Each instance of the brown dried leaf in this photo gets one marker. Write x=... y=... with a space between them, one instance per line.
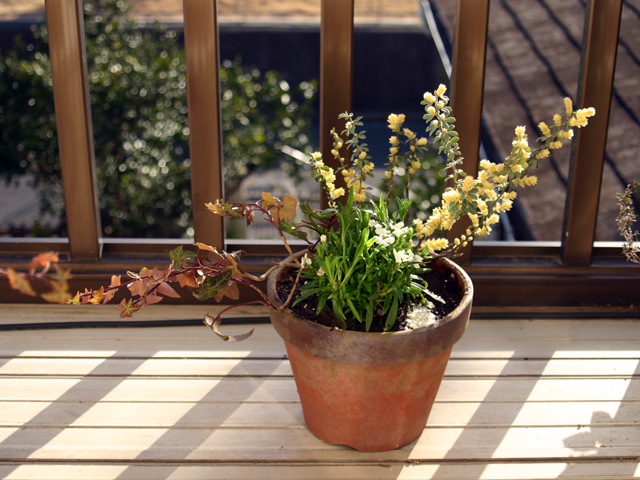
x=60 y=293
x=230 y=291
x=139 y=287
x=214 y=323
x=167 y=290
x=153 y=298
x=43 y=260
x=288 y=210
x=204 y=246
x=188 y=279
x=97 y=297
x=269 y=200
x=127 y=308
x=115 y=282
x=18 y=282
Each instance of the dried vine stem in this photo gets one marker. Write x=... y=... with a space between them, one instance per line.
x=626 y=220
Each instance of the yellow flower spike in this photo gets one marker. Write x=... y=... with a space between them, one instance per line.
x=408 y=133
x=388 y=174
x=431 y=110
x=337 y=193
x=395 y=121
x=568 y=105
x=451 y=196
x=428 y=96
x=441 y=90
x=544 y=153
x=467 y=184
x=421 y=141
x=394 y=140
x=362 y=155
x=544 y=128
x=520 y=131
x=565 y=134
x=557 y=119
x=435 y=244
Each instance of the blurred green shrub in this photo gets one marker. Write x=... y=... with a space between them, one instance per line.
x=137 y=83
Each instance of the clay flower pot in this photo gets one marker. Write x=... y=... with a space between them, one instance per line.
x=370 y=391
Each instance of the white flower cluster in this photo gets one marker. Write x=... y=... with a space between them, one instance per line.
x=305 y=261
x=387 y=235
x=407 y=256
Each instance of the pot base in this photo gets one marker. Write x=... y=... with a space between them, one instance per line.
x=371 y=408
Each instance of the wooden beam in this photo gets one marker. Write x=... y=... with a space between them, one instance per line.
x=73 y=122
x=205 y=132
x=467 y=92
x=336 y=75
x=597 y=68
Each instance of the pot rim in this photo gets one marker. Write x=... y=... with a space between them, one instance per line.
x=375 y=348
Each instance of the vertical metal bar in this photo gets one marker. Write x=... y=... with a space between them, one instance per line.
x=597 y=69
x=73 y=123
x=467 y=91
x=205 y=132
x=336 y=74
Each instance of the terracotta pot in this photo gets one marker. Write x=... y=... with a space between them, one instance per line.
x=370 y=391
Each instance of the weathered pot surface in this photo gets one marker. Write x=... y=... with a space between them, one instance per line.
x=370 y=391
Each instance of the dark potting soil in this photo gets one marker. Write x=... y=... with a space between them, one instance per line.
x=444 y=286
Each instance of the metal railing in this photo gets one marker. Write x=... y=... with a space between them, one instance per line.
x=567 y=274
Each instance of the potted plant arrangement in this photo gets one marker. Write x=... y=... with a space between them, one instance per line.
x=367 y=331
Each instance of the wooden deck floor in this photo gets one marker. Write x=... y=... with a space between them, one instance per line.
x=521 y=399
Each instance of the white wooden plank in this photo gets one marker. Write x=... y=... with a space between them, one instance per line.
x=622 y=470
x=208 y=346
x=146 y=367
x=260 y=367
x=550 y=330
x=297 y=444
x=289 y=414
x=284 y=390
x=483 y=339
x=34 y=313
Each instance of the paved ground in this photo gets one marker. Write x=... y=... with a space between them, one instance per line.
x=533 y=61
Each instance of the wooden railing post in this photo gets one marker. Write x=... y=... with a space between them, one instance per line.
x=597 y=68
x=336 y=74
x=467 y=92
x=205 y=131
x=73 y=123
